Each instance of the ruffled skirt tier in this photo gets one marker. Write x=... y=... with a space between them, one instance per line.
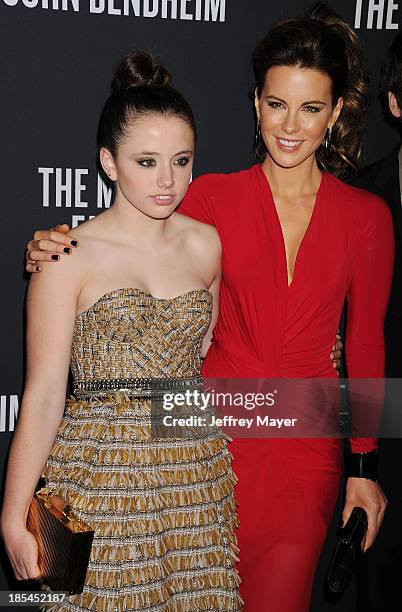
x=163 y=510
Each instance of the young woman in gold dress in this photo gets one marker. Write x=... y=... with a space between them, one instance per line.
x=162 y=509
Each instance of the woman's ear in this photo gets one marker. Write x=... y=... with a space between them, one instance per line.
x=393 y=105
x=107 y=162
x=336 y=112
x=257 y=104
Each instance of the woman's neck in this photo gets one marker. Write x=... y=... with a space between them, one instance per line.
x=296 y=182
x=129 y=222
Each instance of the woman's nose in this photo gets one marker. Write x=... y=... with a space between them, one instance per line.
x=165 y=178
x=290 y=123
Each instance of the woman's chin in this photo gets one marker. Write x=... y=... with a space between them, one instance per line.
x=160 y=213
x=288 y=160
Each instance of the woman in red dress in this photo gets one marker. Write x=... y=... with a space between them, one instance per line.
x=296 y=242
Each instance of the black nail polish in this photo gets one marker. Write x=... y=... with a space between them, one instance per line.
x=55 y=257
x=67 y=250
x=74 y=243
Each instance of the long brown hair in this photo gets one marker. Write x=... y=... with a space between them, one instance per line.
x=322 y=41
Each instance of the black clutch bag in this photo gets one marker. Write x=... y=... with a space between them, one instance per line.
x=347 y=549
x=64 y=542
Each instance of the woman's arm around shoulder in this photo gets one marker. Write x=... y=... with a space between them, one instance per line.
x=49 y=245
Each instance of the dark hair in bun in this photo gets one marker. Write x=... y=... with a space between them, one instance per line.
x=325 y=42
x=139 y=68
x=140 y=87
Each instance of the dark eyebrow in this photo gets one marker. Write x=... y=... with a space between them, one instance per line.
x=304 y=103
x=187 y=151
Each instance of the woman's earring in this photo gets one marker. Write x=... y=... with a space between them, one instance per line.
x=326 y=143
x=257 y=136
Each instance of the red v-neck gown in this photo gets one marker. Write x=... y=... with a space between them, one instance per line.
x=287 y=488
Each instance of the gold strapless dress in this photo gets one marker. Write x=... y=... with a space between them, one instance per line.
x=163 y=510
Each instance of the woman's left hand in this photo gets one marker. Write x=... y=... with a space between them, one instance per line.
x=336 y=352
x=368 y=495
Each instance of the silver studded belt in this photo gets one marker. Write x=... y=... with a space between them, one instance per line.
x=141 y=387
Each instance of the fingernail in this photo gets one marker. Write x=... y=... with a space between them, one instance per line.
x=331 y=355
x=74 y=243
x=67 y=250
x=58 y=226
x=37 y=268
x=55 y=257
x=333 y=348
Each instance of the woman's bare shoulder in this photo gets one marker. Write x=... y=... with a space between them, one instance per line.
x=75 y=266
x=188 y=224
x=94 y=239
x=201 y=235
x=87 y=228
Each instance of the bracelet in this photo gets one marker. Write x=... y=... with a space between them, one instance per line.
x=362 y=465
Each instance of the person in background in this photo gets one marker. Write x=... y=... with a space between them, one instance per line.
x=380 y=572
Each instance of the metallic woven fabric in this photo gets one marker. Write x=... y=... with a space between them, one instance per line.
x=163 y=510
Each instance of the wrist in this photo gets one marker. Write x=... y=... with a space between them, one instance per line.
x=11 y=527
x=362 y=465
x=12 y=521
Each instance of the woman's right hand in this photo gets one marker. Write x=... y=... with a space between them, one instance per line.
x=47 y=245
x=22 y=550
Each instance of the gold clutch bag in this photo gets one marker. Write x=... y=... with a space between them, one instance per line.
x=64 y=542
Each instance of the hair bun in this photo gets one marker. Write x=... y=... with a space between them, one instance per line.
x=139 y=69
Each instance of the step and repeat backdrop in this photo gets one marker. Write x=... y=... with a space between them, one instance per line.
x=57 y=60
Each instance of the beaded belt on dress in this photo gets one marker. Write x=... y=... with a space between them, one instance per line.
x=141 y=387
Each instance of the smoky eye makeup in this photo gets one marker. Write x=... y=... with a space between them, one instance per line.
x=146 y=163
x=182 y=161
x=312 y=109
x=274 y=104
